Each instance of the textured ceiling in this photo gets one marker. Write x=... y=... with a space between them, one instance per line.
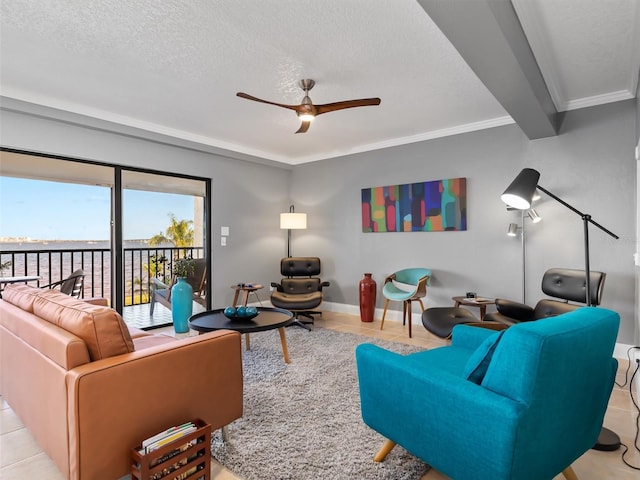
x=174 y=67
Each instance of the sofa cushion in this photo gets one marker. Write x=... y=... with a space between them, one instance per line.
x=479 y=361
x=101 y=328
x=22 y=296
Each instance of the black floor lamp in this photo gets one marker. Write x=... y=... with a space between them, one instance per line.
x=519 y=195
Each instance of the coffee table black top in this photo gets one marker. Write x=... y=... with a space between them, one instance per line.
x=267 y=319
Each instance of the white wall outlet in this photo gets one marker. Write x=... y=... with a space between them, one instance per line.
x=223 y=241
x=224 y=231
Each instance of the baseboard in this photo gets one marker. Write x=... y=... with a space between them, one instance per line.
x=392 y=315
x=620 y=350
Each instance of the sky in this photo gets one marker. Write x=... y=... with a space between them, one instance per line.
x=63 y=211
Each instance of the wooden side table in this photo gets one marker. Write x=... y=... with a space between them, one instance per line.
x=246 y=289
x=479 y=302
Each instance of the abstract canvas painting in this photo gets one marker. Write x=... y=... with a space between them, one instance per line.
x=434 y=206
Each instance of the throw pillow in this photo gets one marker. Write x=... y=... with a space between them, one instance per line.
x=478 y=363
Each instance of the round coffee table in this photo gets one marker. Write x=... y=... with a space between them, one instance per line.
x=267 y=319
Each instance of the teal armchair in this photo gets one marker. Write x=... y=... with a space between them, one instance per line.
x=523 y=403
x=406 y=286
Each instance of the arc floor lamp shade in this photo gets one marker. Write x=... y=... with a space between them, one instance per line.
x=519 y=194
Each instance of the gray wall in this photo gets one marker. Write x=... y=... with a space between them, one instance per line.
x=590 y=164
x=247 y=197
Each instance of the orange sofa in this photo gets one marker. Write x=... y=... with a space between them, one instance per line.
x=89 y=389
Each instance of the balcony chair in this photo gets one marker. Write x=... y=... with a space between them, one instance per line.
x=523 y=403
x=563 y=283
x=405 y=286
x=161 y=292
x=301 y=291
x=72 y=285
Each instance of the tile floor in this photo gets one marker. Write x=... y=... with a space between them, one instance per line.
x=21 y=458
x=138 y=316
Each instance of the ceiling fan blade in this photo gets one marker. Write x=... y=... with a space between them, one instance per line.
x=255 y=99
x=331 y=107
x=304 y=126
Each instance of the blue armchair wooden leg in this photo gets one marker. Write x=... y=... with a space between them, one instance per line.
x=569 y=474
x=384 y=451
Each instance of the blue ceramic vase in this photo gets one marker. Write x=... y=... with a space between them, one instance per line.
x=181 y=305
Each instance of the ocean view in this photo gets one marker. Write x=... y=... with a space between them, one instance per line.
x=17 y=245
x=54 y=260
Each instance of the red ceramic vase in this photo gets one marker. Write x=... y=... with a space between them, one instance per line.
x=367 y=298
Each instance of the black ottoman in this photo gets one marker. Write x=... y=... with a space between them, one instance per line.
x=441 y=320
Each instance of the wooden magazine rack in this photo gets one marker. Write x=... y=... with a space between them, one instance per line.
x=188 y=457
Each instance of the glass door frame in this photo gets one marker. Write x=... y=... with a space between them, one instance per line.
x=117 y=227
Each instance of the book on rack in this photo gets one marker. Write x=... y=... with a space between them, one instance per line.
x=169 y=435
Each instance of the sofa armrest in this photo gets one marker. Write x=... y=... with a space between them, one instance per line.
x=117 y=402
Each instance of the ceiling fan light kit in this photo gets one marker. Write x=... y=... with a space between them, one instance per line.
x=307 y=111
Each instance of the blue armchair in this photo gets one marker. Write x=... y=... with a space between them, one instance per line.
x=523 y=403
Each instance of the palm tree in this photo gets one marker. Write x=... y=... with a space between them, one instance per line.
x=179 y=233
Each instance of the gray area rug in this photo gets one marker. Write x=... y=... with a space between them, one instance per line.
x=302 y=421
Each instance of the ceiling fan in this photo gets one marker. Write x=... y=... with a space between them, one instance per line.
x=307 y=111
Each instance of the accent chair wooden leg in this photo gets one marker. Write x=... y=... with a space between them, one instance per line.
x=404 y=312
x=386 y=303
x=387 y=446
x=421 y=304
x=569 y=474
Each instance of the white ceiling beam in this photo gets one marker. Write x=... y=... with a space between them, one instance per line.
x=488 y=35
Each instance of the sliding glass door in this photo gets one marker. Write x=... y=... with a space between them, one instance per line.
x=163 y=219
x=121 y=226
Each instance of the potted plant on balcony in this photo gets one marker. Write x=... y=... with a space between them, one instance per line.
x=182 y=293
x=183 y=267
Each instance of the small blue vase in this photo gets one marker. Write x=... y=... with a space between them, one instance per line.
x=181 y=305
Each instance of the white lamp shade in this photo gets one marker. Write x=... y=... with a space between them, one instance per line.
x=293 y=221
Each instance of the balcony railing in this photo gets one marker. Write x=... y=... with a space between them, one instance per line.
x=139 y=265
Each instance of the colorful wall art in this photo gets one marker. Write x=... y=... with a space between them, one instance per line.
x=435 y=206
